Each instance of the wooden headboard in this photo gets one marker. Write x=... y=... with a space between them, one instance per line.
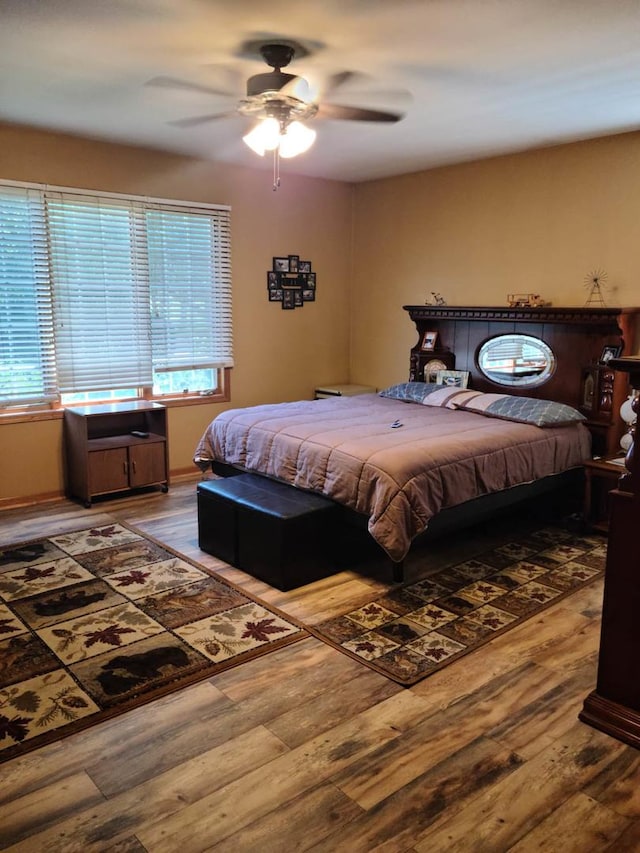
x=577 y=337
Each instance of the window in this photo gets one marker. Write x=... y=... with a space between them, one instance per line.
x=108 y=296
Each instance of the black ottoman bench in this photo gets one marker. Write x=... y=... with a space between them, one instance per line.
x=270 y=530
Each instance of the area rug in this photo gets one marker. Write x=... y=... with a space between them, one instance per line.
x=101 y=620
x=415 y=630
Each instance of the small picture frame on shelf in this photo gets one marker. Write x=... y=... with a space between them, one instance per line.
x=429 y=340
x=304 y=266
x=281 y=265
x=457 y=378
x=596 y=393
x=589 y=389
x=294 y=260
x=272 y=280
x=275 y=295
x=608 y=352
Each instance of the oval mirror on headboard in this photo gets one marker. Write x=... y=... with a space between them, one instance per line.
x=516 y=360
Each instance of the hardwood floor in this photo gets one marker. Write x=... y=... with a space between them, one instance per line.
x=307 y=750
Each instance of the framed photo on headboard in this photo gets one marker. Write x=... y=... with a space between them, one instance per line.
x=429 y=341
x=608 y=352
x=458 y=378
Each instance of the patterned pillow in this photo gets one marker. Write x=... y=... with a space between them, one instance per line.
x=449 y=397
x=524 y=410
x=410 y=392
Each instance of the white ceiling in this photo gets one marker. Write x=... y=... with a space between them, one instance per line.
x=483 y=76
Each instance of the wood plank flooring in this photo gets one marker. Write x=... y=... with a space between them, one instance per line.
x=307 y=750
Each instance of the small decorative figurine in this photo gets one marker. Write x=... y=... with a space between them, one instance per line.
x=437 y=299
x=526 y=300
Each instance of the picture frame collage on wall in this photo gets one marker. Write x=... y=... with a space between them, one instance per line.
x=291 y=282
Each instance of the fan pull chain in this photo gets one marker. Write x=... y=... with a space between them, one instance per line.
x=276 y=168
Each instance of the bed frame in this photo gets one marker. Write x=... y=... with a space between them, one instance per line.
x=576 y=336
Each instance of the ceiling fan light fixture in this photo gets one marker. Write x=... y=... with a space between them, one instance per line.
x=265 y=136
x=296 y=139
x=270 y=135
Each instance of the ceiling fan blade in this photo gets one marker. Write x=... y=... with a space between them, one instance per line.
x=384 y=96
x=336 y=80
x=225 y=77
x=174 y=83
x=356 y=114
x=196 y=120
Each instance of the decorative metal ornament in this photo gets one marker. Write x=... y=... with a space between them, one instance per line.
x=596 y=282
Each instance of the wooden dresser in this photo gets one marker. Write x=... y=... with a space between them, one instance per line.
x=614 y=705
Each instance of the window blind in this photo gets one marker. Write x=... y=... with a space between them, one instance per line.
x=101 y=292
x=190 y=319
x=104 y=291
x=27 y=364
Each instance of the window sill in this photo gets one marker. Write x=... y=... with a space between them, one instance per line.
x=36 y=415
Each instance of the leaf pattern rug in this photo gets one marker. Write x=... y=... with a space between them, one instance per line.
x=101 y=620
x=414 y=630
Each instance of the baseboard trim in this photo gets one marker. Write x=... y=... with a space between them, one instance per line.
x=613 y=719
x=31 y=500
x=21 y=501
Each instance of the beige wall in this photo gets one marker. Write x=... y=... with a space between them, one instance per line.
x=533 y=222
x=280 y=355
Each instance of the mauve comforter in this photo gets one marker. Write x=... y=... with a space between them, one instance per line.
x=346 y=448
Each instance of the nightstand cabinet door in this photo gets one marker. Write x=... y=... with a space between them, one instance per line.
x=147 y=464
x=108 y=471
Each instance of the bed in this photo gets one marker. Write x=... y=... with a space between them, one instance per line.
x=398 y=462
x=404 y=460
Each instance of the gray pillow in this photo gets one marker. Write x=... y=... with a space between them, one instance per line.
x=410 y=392
x=524 y=410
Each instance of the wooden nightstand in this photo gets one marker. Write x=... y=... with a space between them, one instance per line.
x=343 y=391
x=114 y=448
x=601 y=475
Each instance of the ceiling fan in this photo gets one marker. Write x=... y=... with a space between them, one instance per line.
x=281 y=102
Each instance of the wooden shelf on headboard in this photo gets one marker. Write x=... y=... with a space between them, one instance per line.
x=576 y=336
x=583 y=316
